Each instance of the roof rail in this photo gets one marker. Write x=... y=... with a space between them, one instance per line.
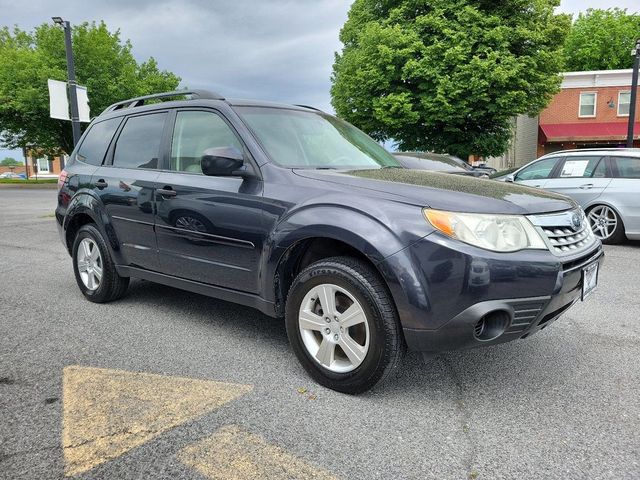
x=606 y=149
x=309 y=107
x=139 y=101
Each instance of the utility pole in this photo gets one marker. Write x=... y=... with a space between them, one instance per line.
x=71 y=79
x=634 y=93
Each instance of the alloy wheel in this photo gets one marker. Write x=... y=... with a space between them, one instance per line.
x=603 y=221
x=90 y=264
x=334 y=328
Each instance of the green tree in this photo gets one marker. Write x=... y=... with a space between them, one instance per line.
x=447 y=75
x=602 y=40
x=9 y=162
x=104 y=64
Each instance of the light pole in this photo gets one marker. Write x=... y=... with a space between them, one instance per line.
x=71 y=74
x=634 y=94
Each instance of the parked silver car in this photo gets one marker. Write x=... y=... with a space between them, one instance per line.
x=605 y=182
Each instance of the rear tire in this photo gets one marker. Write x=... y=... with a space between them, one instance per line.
x=343 y=325
x=94 y=268
x=606 y=224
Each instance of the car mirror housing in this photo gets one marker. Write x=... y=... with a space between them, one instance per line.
x=222 y=162
x=510 y=178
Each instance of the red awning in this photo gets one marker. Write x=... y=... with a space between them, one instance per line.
x=571 y=132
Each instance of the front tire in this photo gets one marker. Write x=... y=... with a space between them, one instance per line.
x=94 y=268
x=343 y=325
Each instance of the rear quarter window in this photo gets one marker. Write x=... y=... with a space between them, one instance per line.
x=627 y=167
x=95 y=144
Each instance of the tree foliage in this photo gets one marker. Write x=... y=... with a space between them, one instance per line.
x=9 y=162
x=104 y=64
x=602 y=40
x=447 y=75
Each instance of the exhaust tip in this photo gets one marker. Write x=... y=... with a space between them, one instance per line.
x=492 y=325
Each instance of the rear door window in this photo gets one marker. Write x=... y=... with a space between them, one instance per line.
x=138 y=145
x=580 y=167
x=627 y=167
x=96 y=142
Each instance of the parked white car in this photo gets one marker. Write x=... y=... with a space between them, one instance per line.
x=605 y=182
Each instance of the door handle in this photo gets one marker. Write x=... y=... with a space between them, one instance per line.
x=537 y=186
x=101 y=184
x=586 y=186
x=167 y=192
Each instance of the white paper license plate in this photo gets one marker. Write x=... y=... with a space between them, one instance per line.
x=589 y=279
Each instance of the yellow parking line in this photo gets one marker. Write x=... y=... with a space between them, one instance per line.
x=108 y=412
x=235 y=454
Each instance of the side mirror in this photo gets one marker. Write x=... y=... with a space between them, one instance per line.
x=222 y=162
x=510 y=178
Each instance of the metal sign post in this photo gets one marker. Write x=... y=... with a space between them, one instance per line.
x=634 y=94
x=71 y=74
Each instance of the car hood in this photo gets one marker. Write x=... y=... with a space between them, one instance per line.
x=442 y=191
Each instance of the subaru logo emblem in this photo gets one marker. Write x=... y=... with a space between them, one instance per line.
x=576 y=221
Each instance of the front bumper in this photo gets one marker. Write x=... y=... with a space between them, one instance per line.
x=442 y=301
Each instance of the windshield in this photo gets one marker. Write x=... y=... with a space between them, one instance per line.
x=440 y=165
x=299 y=139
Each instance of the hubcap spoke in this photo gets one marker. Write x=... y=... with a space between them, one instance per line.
x=97 y=272
x=354 y=352
x=326 y=353
x=86 y=248
x=352 y=316
x=311 y=321
x=327 y=297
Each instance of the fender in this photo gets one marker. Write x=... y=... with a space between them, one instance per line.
x=87 y=202
x=372 y=237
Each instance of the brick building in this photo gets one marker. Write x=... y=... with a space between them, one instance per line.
x=591 y=111
x=37 y=165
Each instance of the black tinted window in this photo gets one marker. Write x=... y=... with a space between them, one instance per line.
x=95 y=144
x=138 y=145
x=628 y=167
x=196 y=132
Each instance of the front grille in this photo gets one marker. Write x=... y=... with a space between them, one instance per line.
x=524 y=314
x=566 y=240
x=565 y=233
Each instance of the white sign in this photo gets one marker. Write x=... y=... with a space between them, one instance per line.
x=83 y=104
x=58 y=101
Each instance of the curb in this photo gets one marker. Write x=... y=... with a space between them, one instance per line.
x=35 y=186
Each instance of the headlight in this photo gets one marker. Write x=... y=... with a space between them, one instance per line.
x=500 y=233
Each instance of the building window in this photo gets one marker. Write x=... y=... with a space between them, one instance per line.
x=624 y=101
x=588 y=104
x=43 y=165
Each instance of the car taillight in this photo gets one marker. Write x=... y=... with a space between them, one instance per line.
x=62 y=178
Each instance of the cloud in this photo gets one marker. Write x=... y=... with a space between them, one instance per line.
x=280 y=50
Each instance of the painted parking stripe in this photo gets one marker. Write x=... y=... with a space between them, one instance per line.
x=232 y=453
x=107 y=412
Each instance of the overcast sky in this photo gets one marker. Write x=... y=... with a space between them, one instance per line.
x=279 y=50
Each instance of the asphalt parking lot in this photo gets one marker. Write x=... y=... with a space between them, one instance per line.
x=169 y=384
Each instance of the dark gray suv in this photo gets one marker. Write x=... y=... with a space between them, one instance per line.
x=299 y=214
